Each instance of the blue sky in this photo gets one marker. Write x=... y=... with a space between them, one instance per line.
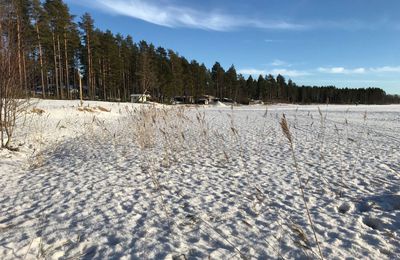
x=347 y=43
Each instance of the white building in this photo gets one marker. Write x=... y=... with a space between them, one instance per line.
x=139 y=98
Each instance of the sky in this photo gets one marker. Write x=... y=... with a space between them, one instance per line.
x=346 y=43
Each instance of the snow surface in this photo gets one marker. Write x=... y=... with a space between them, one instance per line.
x=155 y=182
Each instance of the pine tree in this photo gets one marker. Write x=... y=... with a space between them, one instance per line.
x=176 y=87
x=281 y=87
x=164 y=73
x=217 y=76
x=87 y=27
x=38 y=17
x=24 y=38
x=261 y=90
x=231 y=83
x=146 y=70
x=60 y=22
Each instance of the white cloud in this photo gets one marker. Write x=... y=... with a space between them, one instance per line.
x=342 y=70
x=386 y=69
x=326 y=70
x=290 y=73
x=359 y=71
x=164 y=14
x=279 y=63
x=271 y=40
x=283 y=72
x=252 y=72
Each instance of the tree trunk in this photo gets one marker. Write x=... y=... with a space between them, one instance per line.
x=90 y=87
x=124 y=84
x=1 y=97
x=55 y=66
x=80 y=89
x=60 y=68
x=40 y=61
x=24 y=74
x=19 y=50
x=66 y=65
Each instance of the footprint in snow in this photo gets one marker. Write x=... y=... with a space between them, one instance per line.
x=386 y=203
x=127 y=206
x=372 y=222
x=344 y=208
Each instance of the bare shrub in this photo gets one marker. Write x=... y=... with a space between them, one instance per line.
x=12 y=104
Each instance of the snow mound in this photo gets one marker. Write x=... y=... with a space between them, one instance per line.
x=219 y=104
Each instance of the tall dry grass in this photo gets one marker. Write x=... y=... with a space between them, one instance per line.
x=286 y=131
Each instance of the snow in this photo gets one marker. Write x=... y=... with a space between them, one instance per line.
x=121 y=180
x=219 y=104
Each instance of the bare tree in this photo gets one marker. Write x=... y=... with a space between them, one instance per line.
x=12 y=104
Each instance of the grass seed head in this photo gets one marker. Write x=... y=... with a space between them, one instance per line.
x=285 y=128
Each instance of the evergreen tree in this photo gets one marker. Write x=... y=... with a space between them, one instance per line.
x=60 y=22
x=281 y=87
x=23 y=28
x=163 y=68
x=177 y=75
x=231 y=83
x=217 y=77
x=251 y=87
x=38 y=17
x=87 y=27
x=271 y=88
x=261 y=89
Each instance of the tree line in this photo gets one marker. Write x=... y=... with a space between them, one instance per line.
x=54 y=47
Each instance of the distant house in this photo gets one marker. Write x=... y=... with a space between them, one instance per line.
x=140 y=98
x=183 y=100
x=205 y=99
x=227 y=100
x=256 y=102
x=202 y=101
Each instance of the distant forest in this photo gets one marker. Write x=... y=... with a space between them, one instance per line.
x=53 y=46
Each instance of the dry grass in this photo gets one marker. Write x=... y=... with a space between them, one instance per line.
x=86 y=109
x=103 y=109
x=151 y=125
x=38 y=111
x=288 y=135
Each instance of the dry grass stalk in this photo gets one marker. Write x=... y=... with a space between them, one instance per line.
x=286 y=130
x=287 y=133
x=37 y=111
x=86 y=109
x=359 y=142
x=103 y=109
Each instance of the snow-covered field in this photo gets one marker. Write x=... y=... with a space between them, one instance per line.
x=154 y=182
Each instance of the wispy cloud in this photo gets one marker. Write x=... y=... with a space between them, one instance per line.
x=252 y=72
x=272 y=40
x=283 y=72
x=386 y=69
x=280 y=63
x=290 y=73
x=169 y=15
x=346 y=71
x=342 y=70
